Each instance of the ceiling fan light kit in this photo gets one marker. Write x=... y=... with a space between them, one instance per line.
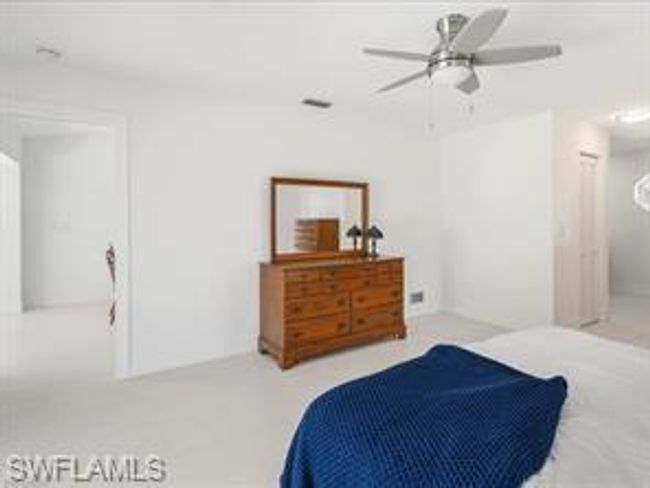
x=452 y=62
x=452 y=72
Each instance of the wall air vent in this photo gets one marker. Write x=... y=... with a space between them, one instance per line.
x=314 y=102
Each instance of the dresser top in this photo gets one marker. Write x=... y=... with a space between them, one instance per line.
x=321 y=263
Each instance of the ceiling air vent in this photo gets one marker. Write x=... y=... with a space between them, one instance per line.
x=314 y=102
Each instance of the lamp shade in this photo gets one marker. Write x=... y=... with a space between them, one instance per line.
x=375 y=233
x=353 y=232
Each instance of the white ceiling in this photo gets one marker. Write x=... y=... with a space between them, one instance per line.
x=285 y=52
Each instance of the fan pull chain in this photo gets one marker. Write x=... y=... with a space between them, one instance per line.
x=430 y=109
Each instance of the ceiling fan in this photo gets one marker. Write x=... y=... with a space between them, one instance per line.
x=452 y=62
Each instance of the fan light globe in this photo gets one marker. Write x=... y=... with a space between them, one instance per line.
x=642 y=193
x=451 y=75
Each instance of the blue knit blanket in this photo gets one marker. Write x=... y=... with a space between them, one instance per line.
x=450 y=418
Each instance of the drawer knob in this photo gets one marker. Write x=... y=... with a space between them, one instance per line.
x=361 y=299
x=361 y=321
x=341 y=326
x=341 y=302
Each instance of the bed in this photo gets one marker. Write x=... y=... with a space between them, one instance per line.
x=600 y=438
x=603 y=438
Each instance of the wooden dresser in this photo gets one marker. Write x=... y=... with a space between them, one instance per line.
x=312 y=307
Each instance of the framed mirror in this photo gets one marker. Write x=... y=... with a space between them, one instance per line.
x=312 y=219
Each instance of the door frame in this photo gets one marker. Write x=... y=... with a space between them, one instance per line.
x=592 y=251
x=118 y=124
x=10 y=293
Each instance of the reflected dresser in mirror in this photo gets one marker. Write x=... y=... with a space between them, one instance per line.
x=320 y=291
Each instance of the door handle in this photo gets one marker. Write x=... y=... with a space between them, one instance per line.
x=111 y=261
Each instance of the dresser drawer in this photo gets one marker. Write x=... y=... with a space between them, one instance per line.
x=304 y=308
x=341 y=273
x=349 y=285
x=319 y=328
x=302 y=275
x=380 y=280
x=383 y=274
x=300 y=290
x=384 y=268
x=376 y=296
x=378 y=318
x=305 y=289
x=390 y=271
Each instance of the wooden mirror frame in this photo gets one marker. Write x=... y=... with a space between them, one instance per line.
x=302 y=256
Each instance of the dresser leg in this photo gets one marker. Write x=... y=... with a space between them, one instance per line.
x=401 y=334
x=286 y=363
x=260 y=347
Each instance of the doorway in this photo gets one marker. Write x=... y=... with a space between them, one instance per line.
x=64 y=204
x=628 y=206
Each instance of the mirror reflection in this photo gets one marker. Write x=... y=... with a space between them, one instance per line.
x=318 y=219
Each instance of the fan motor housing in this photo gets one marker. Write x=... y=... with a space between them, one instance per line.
x=449 y=26
x=443 y=56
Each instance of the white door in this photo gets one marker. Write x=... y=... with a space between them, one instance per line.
x=590 y=246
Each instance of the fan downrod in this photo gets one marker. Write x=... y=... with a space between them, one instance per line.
x=449 y=26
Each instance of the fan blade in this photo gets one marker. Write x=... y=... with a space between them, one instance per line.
x=515 y=54
x=470 y=85
x=398 y=55
x=478 y=31
x=404 y=81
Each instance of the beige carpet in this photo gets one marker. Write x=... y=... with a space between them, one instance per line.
x=226 y=423
x=629 y=321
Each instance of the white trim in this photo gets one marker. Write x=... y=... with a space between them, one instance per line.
x=118 y=124
x=10 y=294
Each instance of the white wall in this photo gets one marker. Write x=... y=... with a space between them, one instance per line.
x=629 y=226
x=67 y=198
x=511 y=203
x=10 y=242
x=570 y=138
x=200 y=166
x=202 y=203
x=497 y=222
